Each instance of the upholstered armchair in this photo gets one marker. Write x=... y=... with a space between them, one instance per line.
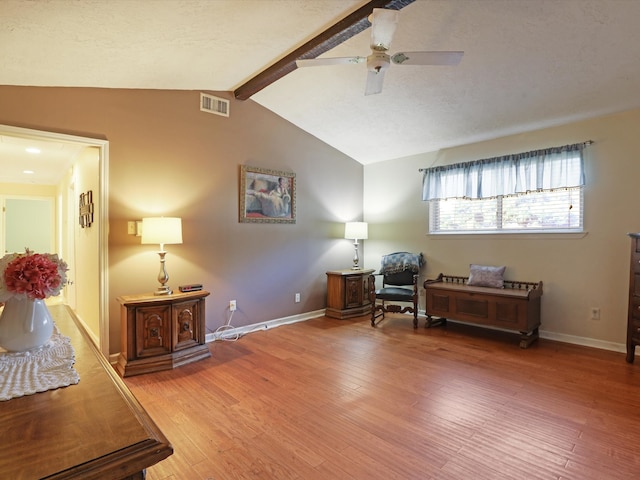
x=399 y=290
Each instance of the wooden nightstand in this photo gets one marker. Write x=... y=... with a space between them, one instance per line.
x=348 y=293
x=160 y=332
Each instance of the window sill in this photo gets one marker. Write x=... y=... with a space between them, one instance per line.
x=510 y=236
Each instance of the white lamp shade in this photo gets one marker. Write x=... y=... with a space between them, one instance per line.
x=356 y=230
x=162 y=230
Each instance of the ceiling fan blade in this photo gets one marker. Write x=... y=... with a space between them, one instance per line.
x=315 y=62
x=383 y=26
x=374 y=82
x=427 y=58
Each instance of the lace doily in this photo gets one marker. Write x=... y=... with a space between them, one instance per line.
x=46 y=368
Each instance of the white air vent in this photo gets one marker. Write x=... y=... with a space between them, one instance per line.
x=211 y=104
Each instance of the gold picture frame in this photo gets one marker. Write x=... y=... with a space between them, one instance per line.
x=267 y=196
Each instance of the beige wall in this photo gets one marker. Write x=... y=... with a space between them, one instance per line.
x=87 y=241
x=579 y=272
x=168 y=158
x=28 y=190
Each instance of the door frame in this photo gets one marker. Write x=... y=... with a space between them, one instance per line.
x=101 y=201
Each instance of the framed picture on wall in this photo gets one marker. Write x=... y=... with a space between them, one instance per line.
x=267 y=196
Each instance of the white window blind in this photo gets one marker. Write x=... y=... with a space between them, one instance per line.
x=552 y=211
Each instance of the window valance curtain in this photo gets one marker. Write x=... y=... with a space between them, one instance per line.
x=547 y=169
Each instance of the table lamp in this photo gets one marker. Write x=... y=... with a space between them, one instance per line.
x=356 y=231
x=162 y=230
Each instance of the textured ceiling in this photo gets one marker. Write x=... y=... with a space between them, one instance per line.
x=527 y=64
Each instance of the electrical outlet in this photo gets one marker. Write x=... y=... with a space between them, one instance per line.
x=595 y=313
x=297 y=298
x=232 y=305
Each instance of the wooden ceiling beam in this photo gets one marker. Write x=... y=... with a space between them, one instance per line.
x=346 y=28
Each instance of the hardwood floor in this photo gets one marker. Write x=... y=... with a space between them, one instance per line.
x=337 y=399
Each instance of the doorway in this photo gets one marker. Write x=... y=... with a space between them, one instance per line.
x=67 y=229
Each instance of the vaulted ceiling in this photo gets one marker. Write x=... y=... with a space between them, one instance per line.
x=528 y=64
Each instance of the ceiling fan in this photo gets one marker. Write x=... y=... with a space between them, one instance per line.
x=383 y=26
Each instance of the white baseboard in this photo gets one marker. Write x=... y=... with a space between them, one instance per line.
x=558 y=337
x=255 y=327
x=584 y=341
x=562 y=337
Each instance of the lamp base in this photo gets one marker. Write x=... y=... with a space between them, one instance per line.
x=163 y=276
x=356 y=258
x=163 y=290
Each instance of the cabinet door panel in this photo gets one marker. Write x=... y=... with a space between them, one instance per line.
x=474 y=308
x=153 y=330
x=185 y=324
x=438 y=303
x=366 y=286
x=353 y=291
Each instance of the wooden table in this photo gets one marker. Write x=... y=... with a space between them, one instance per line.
x=93 y=430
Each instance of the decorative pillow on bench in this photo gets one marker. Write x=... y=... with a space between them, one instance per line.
x=486 y=276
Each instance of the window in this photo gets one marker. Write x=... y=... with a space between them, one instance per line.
x=553 y=211
x=538 y=191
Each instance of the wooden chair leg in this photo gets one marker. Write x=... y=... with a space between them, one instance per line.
x=372 y=298
x=415 y=301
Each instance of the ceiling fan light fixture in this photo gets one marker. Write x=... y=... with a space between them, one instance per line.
x=383 y=26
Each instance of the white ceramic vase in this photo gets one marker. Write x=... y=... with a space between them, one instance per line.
x=25 y=324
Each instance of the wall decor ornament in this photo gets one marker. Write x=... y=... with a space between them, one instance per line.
x=267 y=196
x=26 y=279
x=86 y=209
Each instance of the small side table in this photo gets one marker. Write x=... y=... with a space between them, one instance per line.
x=348 y=293
x=160 y=332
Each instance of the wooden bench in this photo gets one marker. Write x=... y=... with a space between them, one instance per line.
x=514 y=307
